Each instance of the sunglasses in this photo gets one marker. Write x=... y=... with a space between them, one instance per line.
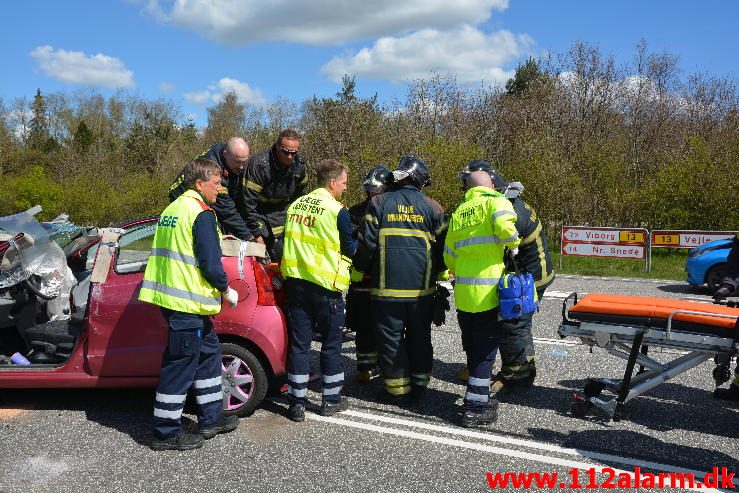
x=288 y=151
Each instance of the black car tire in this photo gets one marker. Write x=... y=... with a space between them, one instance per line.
x=260 y=382
x=714 y=276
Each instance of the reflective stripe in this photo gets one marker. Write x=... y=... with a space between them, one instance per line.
x=442 y=228
x=481 y=240
x=479 y=382
x=503 y=213
x=545 y=280
x=469 y=396
x=253 y=186
x=297 y=378
x=172 y=255
x=204 y=399
x=288 y=262
x=180 y=293
x=421 y=376
x=371 y=218
x=278 y=230
x=332 y=391
x=450 y=252
x=476 y=281
x=161 y=413
x=533 y=236
x=204 y=384
x=406 y=232
x=170 y=398
x=297 y=392
x=406 y=389
x=304 y=238
x=402 y=293
x=397 y=382
x=339 y=377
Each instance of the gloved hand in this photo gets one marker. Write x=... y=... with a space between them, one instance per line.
x=232 y=297
x=441 y=305
x=356 y=275
x=722 y=292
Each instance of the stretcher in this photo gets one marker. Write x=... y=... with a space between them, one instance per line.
x=627 y=326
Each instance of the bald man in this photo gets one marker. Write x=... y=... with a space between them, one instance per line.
x=480 y=230
x=231 y=157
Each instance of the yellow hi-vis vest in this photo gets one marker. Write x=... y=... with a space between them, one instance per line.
x=480 y=229
x=312 y=250
x=172 y=278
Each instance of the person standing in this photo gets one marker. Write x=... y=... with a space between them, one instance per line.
x=317 y=255
x=185 y=277
x=480 y=230
x=231 y=157
x=273 y=178
x=400 y=251
x=729 y=285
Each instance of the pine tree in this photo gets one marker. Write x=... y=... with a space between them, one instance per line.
x=39 y=135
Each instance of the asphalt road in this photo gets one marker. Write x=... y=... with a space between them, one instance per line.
x=73 y=440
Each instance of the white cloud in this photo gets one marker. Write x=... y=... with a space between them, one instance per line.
x=466 y=52
x=167 y=87
x=76 y=67
x=215 y=92
x=317 y=22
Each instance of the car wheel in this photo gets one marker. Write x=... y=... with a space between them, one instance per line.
x=714 y=276
x=244 y=380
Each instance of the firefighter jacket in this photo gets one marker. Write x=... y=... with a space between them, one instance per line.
x=398 y=244
x=312 y=242
x=268 y=188
x=533 y=252
x=479 y=231
x=226 y=204
x=172 y=278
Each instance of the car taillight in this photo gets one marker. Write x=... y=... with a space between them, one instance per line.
x=269 y=284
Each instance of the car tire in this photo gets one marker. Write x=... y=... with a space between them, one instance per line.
x=245 y=381
x=714 y=276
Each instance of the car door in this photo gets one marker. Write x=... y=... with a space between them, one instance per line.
x=126 y=336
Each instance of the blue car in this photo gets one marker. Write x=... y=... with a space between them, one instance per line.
x=706 y=264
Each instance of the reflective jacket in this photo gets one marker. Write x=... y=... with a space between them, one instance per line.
x=172 y=278
x=479 y=231
x=267 y=190
x=398 y=244
x=226 y=204
x=533 y=252
x=312 y=249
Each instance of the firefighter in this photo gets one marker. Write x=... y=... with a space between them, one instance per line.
x=231 y=157
x=358 y=297
x=273 y=179
x=185 y=277
x=729 y=285
x=316 y=261
x=480 y=230
x=516 y=348
x=400 y=251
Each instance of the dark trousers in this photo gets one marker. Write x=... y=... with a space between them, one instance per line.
x=358 y=318
x=192 y=360
x=481 y=333
x=310 y=305
x=517 y=343
x=403 y=331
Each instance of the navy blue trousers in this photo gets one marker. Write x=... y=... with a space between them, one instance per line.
x=309 y=305
x=192 y=360
x=481 y=333
x=359 y=319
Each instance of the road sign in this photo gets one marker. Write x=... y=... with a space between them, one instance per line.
x=595 y=250
x=686 y=238
x=582 y=241
x=603 y=235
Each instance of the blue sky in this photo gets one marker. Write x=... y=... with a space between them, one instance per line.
x=192 y=51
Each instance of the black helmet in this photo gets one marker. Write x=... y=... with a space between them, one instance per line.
x=499 y=182
x=376 y=179
x=414 y=168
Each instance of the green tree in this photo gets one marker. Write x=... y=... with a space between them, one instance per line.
x=527 y=74
x=83 y=138
x=39 y=134
x=225 y=119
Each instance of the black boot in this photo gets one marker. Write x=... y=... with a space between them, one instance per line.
x=296 y=412
x=183 y=441
x=227 y=423
x=331 y=408
x=483 y=417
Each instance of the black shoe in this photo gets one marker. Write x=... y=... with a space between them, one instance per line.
x=730 y=394
x=227 y=423
x=296 y=412
x=404 y=400
x=183 y=441
x=486 y=416
x=331 y=408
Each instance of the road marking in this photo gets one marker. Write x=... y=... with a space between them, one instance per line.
x=507 y=452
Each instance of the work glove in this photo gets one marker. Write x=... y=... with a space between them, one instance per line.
x=441 y=305
x=232 y=297
x=722 y=292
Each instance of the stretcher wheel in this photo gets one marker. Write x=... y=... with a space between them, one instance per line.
x=580 y=409
x=593 y=389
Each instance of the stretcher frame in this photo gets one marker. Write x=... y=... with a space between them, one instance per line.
x=631 y=343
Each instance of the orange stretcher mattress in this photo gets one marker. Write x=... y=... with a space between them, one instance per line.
x=654 y=312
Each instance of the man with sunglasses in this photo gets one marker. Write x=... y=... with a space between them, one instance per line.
x=231 y=157
x=273 y=179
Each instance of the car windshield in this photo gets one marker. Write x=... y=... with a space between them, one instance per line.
x=23 y=246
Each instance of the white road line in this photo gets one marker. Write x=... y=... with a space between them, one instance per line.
x=557 y=342
x=507 y=452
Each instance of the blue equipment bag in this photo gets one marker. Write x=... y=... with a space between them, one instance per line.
x=516 y=292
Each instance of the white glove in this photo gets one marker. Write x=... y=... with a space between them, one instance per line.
x=232 y=297
x=514 y=251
